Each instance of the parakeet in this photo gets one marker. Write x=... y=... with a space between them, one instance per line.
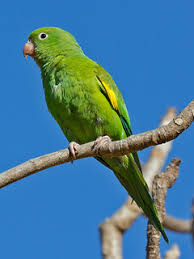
x=86 y=103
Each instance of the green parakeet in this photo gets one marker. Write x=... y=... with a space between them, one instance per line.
x=86 y=103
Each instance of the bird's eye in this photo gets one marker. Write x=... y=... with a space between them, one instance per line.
x=42 y=36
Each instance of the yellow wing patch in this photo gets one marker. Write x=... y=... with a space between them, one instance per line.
x=111 y=95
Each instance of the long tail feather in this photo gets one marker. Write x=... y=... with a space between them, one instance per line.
x=132 y=179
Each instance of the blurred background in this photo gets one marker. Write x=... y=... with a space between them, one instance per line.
x=148 y=48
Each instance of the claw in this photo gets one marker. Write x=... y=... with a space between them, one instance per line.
x=73 y=149
x=100 y=141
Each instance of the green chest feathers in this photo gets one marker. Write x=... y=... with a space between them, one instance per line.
x=72 y=106
x=63 y=97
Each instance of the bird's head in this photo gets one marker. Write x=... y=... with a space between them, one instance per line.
x=47 y=43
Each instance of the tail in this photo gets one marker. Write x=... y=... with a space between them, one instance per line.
x=133 y=181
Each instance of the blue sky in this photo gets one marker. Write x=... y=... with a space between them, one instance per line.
x=148 y=48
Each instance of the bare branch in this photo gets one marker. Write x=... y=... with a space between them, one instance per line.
x=115 y=148
x=177 y=225
x=159 y=153
x=160 y=185
x=111 y=241
x=173 y=253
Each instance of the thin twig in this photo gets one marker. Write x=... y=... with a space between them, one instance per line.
x=159 y=153
x=177 y=225
x=161 y=184
x=173 y=253
x=115 y=148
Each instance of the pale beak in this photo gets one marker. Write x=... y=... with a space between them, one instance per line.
x=28 y=49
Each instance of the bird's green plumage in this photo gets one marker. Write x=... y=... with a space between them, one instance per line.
x=86 y=103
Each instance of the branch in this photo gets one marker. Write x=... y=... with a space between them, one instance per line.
x=173 y=253
x=115 y=148
x=177 y=225
x=158 y=153
x=161 y=184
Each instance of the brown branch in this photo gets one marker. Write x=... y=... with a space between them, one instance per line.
x=111 y=240
x=160 y=186
x=177 y=225
x=115 y=148
x=158 y=153
x=173 y=253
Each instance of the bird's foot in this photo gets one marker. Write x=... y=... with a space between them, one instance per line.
x=73 y=149
x=100 y=141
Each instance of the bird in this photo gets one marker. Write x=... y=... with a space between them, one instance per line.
x=88 y=106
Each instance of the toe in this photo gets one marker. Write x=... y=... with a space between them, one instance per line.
x=100 y=141
x=73 y=149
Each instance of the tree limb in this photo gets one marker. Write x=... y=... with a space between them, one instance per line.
x=115 y=148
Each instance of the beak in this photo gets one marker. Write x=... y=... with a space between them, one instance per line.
x=28 y=49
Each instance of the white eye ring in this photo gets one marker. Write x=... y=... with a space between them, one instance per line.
x=42 y=36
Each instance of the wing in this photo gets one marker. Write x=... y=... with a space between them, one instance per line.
x=109 y=89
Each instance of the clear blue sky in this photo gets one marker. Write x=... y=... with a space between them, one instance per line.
x=148 y=47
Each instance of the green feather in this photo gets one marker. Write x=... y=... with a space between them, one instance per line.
x=86 y=103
